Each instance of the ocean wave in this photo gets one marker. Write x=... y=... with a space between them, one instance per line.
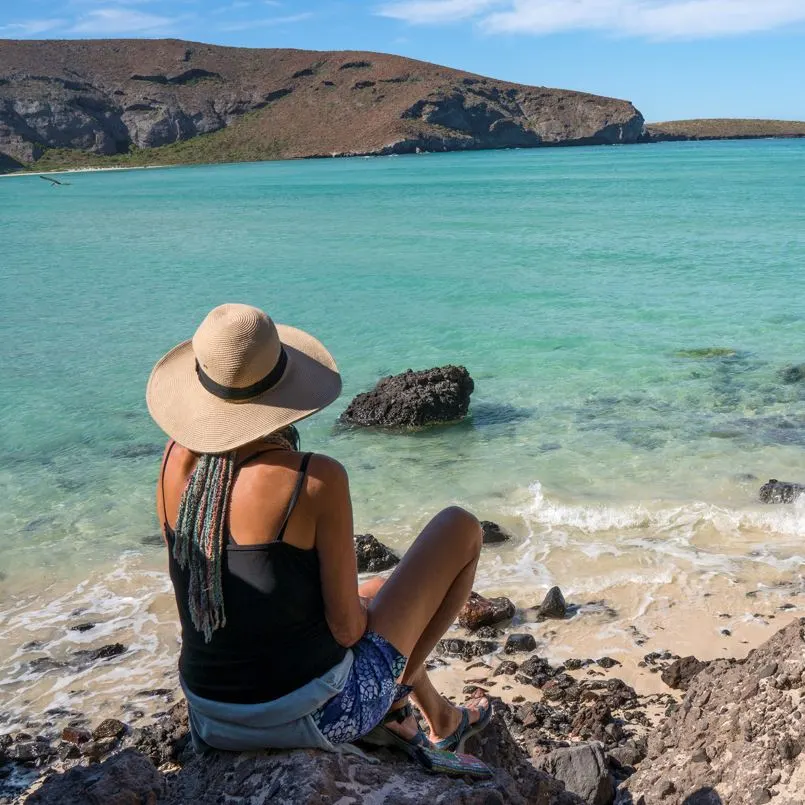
x=786 y=521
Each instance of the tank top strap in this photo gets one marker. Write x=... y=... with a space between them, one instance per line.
x=251 y=457
x=162 y=484
x=300 y=481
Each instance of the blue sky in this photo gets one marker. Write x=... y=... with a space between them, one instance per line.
x=672 y=58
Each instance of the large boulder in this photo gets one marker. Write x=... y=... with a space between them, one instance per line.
x=305 y=777
x=414 y=399
x=738 y=736
x=584 y=771
x=128 y=778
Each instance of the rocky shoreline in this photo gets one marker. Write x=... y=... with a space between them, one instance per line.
x=561 y=734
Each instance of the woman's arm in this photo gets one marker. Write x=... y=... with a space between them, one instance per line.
x=344 y=610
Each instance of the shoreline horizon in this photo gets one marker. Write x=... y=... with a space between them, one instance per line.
x=384 y=152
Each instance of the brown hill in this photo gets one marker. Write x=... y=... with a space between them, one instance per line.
x=724 y=129
x=113 y=97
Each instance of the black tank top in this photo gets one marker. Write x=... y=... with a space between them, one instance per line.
x=276 y=638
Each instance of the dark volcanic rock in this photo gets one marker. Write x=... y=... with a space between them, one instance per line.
x=680 y=672
x=480 y=611
x=30 y=751
x=793 y=374
x=554 y=605
x=75 y=735
x=493 y=533
x=736 y=734
x=466 y=649
x=630 y=753
x=536 y=671
x=82 y=627
x=590 y=723
x=110 y=728
x=165 y=740
x=414 y=399
x=583 y=770
x=373 y=556
x=488 y=633
x=102 y=653
x=125 y=779
x=519 y=642
x=306 y=777
x=775 y=491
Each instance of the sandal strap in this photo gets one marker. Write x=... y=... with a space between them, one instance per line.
x=399 y=715
x=454 y=739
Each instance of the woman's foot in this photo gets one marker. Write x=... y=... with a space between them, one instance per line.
x=449 y=719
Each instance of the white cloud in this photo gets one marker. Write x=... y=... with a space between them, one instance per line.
x=656 y=19
x=30 y=27
x=421 y=12
x=122 y=21
x=268 y=22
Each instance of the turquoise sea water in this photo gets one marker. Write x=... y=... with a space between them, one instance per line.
x=566 y=280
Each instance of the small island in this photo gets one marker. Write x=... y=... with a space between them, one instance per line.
x=726 y=128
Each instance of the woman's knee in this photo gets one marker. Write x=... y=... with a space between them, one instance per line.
x=464 y=526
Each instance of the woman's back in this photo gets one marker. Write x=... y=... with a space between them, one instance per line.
x=275 y=637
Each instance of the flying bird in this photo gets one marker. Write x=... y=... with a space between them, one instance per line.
x=53 y=181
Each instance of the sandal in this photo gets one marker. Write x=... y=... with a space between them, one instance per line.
x=420 y=749
x=381 y=735
x=455 y=741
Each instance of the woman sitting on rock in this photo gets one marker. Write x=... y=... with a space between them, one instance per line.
x=280 y=646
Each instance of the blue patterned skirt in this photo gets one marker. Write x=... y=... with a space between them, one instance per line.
x=370 y=691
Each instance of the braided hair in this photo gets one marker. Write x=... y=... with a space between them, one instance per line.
x=201 y=531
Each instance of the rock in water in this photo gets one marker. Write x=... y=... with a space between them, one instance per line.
x=554 y=605
x=583 y=770
x=519 y=643
x=493 y=533
x=780 y=491
x=480 y=611
x=466 y=649
x=373 y=556
x=75 y=735
x=110 y=728
x=738 y=733
x=793 y=374
x=414 y=399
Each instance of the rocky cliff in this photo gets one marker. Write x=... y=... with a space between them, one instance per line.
x=110 y=97
x=737 y=738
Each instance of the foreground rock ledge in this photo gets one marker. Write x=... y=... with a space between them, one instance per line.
x=303 y=777
x=414 y=399
x=737 y=738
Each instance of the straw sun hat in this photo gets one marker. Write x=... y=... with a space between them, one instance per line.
x=240 y=378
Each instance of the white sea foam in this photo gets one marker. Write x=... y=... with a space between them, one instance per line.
x=788 y=520
x=129 y=605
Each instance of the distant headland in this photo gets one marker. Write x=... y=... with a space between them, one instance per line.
x=127 y=103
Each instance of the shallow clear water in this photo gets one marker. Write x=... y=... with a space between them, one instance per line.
x=569 y=282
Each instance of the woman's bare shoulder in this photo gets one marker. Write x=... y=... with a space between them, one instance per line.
x=326 y=475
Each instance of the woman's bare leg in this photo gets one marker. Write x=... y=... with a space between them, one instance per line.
x=418 y=603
